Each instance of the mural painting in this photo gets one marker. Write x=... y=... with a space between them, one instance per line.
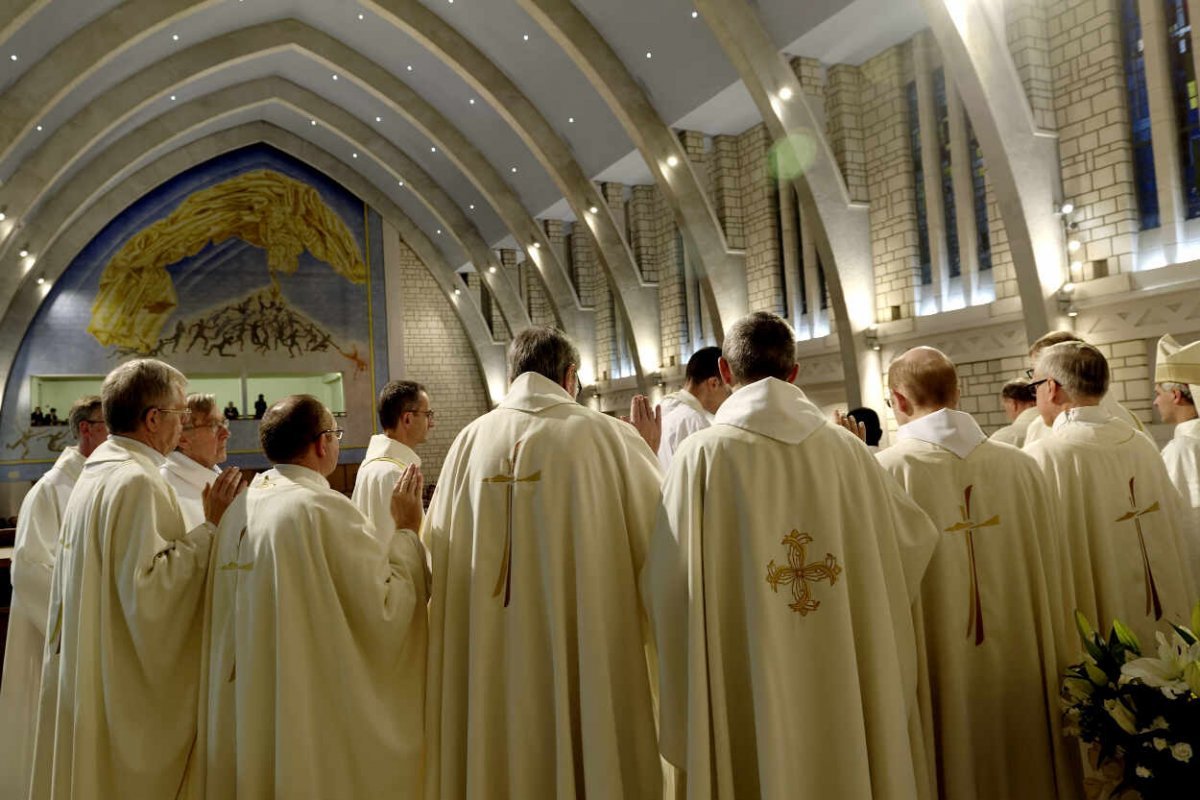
x=250 y=272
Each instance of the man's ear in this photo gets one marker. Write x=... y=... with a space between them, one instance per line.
x=724 y=370
x=792 y=375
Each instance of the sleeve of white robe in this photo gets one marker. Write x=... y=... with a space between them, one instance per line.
x=375 y=502
x=160 y=580
x=34 y=550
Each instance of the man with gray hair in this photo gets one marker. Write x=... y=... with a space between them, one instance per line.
x=1120 y=519
x=35 y=550
x=1176 y=372
x=192 y=465
x=779 y=581
x=122 y=659
x=538 y=683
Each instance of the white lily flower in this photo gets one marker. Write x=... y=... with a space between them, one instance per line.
x=1167 y=671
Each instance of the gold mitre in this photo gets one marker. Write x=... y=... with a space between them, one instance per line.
x=1175 y=363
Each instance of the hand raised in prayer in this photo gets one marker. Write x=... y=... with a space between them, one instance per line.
x=218 y=495
x=406 y=499
x=647 y=422
x=848 y=422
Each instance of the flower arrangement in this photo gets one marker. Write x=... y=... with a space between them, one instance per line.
x=1140 y=715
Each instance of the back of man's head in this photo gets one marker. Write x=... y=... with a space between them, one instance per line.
x=83 y=409
x=760 y=345
x=396 y=398
x=1079 y=368
x=1020 y=391
x=290 y=427
x=702 y=366
x=926 y=377
x=1049 y=340
x=135 y=386
x=544 y=350
x=201 y=404
x=870 y=421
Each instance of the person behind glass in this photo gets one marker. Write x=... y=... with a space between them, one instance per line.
x=193 y=464
x=231 y=411
x=53 y=419
x=37 y=418
x=260 y=407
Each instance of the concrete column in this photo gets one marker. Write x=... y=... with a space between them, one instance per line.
x=1164 y=126
x=964 y=194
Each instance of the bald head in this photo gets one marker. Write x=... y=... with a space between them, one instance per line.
x=922 y=380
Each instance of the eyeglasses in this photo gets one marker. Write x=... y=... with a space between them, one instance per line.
x=213 y=425
x=1029 y=373
x=185 y=414
x=428 y=414
x=94 y=421
x=337 y=433
x=1037 y=383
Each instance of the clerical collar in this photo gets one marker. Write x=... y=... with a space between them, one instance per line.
x=383 y=446
x=70 y=463
x=189 y=469
x=956 y=431
x=302 y=475
x=1092 y=415
x=773 y=408
x=691 y=401
x=136 y=447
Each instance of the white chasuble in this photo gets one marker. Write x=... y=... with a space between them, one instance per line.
x=117 y=716
x=538 y=685
x=682 y=415
x=324 y=607
x=1038 y=428
x=34 y=552
x=1120 y=519
x=779 y=582
x=1182 y=457
x=384 y=463
x=188 y=478
x=991 y=621
x=1014 y=433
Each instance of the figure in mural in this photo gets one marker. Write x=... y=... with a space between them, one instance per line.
x=263 y=208
x=55 y=440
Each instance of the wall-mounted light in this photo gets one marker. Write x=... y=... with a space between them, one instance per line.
x=1066 y=300
x=492 y=270
x=1073 y=245
x=1066 y=208
x=871 y=339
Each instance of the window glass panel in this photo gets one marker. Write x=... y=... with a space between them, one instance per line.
x=1183 y=89
x=949 y=208
x=983 y=244
x=1139 y=113
x=325 y=386
x=914 y=141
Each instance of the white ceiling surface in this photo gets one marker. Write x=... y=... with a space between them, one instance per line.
x=688 y=79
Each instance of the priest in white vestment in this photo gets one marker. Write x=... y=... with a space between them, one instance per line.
x=990 y=621
x=192 y=465
x=691 y=409
x=121 y=669
x=1175 y=372
x=779 y=582
x=1121 y=520
x=323 y=613
x=1037 y=427
x=538 y=684
x=34 y=552
x=1020 y=406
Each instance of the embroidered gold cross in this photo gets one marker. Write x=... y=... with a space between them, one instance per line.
x=969 y=526
x=799 y=574
x=1152 y=602
x=504 y=581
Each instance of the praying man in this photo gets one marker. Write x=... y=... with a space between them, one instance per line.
x=691 y=409
x=193 y=463
x=1120 y=519
x=35 y=550
x=117 y=715
x=779 y=584
x=538 y=683
x=990 y=620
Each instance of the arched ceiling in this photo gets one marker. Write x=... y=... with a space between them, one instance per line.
x=497 y=114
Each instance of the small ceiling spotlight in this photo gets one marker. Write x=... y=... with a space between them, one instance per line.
x=593 y=210
x=1073 y=245
x=537 y=245
x=457 y=292
x=785 y=93
x=672 y=161
x=1066 y=208
x=41 y=279
x=514 y=170
x=24 y=253
x=492 y=270
x=649 y=54
x=3 y=216
x=399 y=183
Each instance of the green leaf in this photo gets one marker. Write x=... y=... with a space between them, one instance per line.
x=1126 y=636
x=1196 y=617
x=1084 y=626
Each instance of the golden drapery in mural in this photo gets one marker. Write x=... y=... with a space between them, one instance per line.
x=263 y=208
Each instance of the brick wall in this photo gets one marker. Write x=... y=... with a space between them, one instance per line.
x=438 y=354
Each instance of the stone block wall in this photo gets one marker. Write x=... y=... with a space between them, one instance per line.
x=764 y=275
x=1030 y=48
x=438 y=354
x=726 y=189
x=843 y=122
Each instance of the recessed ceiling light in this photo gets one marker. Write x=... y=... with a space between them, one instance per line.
x=492 y=270
x=379 y=119
x=649 y=54
x=335 y=76
x=457 y=291
x=13 y=57
x=525 y=37
x=514 y=169
x=472 y=207
x=785 y=93
x=360 y=16
x=593 y=209
x=433 y=149
x=471 y=101
x=695 y=14
x=401 y=183
x=41 y=279
x=354 y=155
x=439 y=231
x=23 y=253
x=409 y=68
x=39 y=127
x=672 y=161
x=571 y=120
x=312 y=122
x=174 y=37
x=172 y=98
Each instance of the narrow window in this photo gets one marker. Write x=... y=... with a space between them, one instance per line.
x=914 y=141
x=946 y=170
x=1139 y=116
x=983 y=244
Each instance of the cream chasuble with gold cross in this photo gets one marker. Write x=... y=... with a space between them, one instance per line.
x=117 y=715
x=991 y=620
x=324 y=607
x=538 y=684
x=779 y=581
x=1120 y=521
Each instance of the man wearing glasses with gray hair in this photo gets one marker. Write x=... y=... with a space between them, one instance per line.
x=122 y=658
x=193 y=463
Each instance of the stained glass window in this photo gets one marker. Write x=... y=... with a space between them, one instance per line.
x=949 y=208
x=914 y=140
x=1183 y=90
x=1139 y=113
x=983 y=244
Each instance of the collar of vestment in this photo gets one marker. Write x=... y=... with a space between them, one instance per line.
x=1092 y=424
x=384 y=446
x=70 y=463
x=1189 y=429
x=1027 y=416
x=685 y=398
x=772 y=408
x=956 y=431
x=122 y=448
x=303 y=476
x=533 y=392
x=190 y=470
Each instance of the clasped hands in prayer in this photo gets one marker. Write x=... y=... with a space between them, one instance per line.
x=407 y=512
x=648 y=423
x=848 y=422
x=220 y=494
